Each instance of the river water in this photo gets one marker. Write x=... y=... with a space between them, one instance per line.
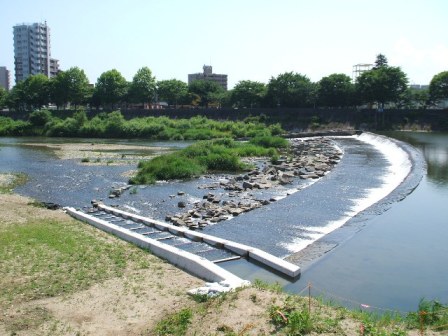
x=383 y=259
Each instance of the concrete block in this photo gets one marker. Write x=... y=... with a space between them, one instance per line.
x=274 y=262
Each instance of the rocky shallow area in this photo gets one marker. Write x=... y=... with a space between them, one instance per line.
x=232 y=195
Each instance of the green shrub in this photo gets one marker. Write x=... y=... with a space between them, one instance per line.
x=167 y=167
x=270 y=141
x=9 y=127
x=39 y=117
x=114 y=125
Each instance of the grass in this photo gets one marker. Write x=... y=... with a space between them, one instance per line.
x=175 y=324
x=220 y=155
x=430 y=313
x=50 y=258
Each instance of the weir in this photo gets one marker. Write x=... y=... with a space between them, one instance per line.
x=193 y=251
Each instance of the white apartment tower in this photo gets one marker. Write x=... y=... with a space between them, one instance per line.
x=32 y=52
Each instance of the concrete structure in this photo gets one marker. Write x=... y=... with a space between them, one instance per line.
x=358 y=69
x=32 y=51
x=264 y=258
x=207 y=74
x=198 y=266
x=4 y=78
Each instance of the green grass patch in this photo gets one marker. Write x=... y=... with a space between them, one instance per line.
x=220 y=155
x=176 y=324
x=49 y=258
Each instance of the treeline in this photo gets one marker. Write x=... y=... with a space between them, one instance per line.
x=113 y=125
x=381 y=86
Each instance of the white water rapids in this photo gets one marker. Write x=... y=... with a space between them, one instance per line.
x=399 y=167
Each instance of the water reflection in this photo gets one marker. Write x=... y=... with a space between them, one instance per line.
x=434 y=147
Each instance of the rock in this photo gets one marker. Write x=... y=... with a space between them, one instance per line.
x=247 y=185
x=51 y=206
x=181 y=204
x=181 y=193
x=179 y=222
x=236 y=211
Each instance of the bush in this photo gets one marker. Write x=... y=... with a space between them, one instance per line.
x=40 y=117
x=10 y=127
x=270 y=141
x=114 y=125
x=167 y=167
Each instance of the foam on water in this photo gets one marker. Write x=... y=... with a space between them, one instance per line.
x=399 y=167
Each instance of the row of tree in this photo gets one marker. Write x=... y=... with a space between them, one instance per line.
x=381 y=85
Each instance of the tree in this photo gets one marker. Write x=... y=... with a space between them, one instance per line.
x=71 y=86
x=290 y=90
x=16 y=97
x=78 y=86
x=414 y=99
x=143 y=86
x=335 y=90
x=172 y=91
x=248 y=94
x=207 y=90
x=36 y=91
x=381 y=61
x=59 y=90
x=111 y=88
x=438 y=87
x=382 y=85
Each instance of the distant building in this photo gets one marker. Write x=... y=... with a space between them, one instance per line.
x=4 y=78
x=419 y=87
x=32 y=51
x=358 y=69
x=208 y=74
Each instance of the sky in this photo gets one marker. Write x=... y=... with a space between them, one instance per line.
x=245 y=39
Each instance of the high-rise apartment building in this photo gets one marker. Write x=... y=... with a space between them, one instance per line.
x=32 y=52
x=4 y=78
x=207 y=74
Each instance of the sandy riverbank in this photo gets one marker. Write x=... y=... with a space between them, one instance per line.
x=101 y=153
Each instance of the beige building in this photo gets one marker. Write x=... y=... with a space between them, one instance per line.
x=207 y=74
x=4 y=78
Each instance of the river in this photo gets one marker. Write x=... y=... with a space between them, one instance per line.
x=381 y=259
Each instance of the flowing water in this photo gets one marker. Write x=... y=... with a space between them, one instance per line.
x=387 y=259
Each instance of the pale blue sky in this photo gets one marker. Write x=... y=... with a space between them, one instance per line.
x=246 y=39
